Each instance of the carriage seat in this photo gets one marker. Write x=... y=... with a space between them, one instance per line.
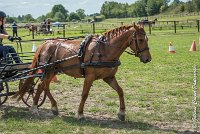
x=11 y=69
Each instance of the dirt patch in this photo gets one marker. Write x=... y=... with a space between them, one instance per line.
x=68 y=102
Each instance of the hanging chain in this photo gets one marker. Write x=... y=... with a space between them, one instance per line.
x=194 y=116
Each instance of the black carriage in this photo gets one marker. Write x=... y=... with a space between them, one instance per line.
x=11 y=71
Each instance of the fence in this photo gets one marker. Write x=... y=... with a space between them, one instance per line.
x=73 y=29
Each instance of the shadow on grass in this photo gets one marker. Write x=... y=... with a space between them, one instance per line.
x=117 y=124
x=23 y=113
x=20 y=113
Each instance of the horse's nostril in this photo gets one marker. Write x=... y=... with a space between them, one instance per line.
x=147 y=60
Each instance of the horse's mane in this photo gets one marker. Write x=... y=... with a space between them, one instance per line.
x=117 y=31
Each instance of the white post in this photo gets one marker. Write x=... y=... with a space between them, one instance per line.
x=34 y=47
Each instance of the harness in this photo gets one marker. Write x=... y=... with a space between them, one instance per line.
x=97 y=64
x=138 y=50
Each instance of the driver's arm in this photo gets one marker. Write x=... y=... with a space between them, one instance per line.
x=4 y=36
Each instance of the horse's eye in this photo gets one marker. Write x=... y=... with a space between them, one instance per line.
x=141 y=40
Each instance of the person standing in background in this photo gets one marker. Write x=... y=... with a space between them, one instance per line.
x=48 y=25
x=14 y=29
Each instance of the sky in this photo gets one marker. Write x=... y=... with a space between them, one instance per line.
x=37 y=8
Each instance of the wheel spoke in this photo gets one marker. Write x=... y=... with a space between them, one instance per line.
x=27 y=97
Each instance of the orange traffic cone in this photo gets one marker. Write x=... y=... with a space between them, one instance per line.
x=171 y=48
x=193 y=46
x=55 y=79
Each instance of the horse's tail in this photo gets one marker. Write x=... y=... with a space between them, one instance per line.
x=27 y=83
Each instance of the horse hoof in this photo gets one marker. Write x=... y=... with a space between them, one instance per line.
x=55 y=111
x=81 y=117
x=34 y=110
x=121 y=117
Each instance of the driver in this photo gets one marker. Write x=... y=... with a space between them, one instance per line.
x=5 y=50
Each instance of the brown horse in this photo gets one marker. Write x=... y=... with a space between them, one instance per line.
x=32 y=28
x=99 y=61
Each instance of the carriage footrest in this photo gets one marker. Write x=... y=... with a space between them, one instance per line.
x=7 y=94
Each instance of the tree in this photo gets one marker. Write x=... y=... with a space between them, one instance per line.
x=41 y=18
x=81 y=13
x=19 y=18
x=114 y=9
x=73 y=16
x=49 y=15
x=176 y=2
x=59 y=17
x=153 y=6
x=28 y=18
x=10 y=19
x=106 y=9
x=189 y=6
x=182 y=9
x=59 y=8
x=196 y=4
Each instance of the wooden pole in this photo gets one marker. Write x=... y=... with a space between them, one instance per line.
x=33 y=34
x=93 y=25
x=63 y=30
x=174 y=26
x=149 y=27
x=198 y=25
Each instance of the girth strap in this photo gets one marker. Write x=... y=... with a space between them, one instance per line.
x=99 y=64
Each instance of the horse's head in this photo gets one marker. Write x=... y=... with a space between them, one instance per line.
x=139 y=44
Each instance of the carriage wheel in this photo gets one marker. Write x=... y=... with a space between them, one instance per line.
x=28 y=97
x=4 y=93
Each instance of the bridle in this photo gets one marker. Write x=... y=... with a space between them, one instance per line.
x=138 y=50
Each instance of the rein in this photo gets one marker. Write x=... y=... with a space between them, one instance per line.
x=138 y=50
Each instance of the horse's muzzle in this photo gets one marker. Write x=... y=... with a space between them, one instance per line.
x=145 y=59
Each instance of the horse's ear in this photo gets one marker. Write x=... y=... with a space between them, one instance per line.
x=142 y=26
x=133 y=23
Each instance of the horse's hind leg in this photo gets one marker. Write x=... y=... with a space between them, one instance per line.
x=34 y=108
x=114 y=84
x=44 y=85
x=86 y=88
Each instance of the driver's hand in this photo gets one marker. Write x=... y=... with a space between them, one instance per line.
x=18 y=38
x=11 y=38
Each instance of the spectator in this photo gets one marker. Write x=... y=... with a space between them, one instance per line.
x=48 y=25
x=5 y=50
x=14 y=29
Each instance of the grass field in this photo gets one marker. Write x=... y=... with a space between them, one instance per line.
x=158 y=95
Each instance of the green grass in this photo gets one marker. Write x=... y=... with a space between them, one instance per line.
x=158 y=95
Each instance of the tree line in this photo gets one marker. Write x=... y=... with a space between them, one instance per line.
x=112 y=9
x=142 y=8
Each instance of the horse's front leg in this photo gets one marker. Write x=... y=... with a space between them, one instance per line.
x=86 y=88
x=111 y=81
